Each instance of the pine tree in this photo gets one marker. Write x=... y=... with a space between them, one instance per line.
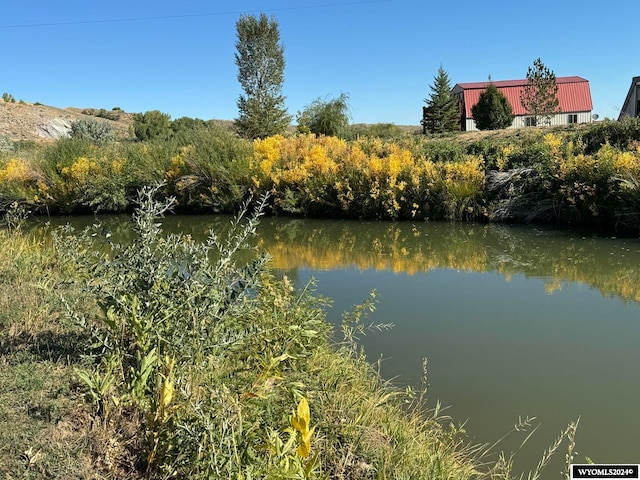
x=493 y=111
x=260 y=61
x=442 y=112
x=539 y=97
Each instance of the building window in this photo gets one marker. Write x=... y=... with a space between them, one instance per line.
x=529 y=122
x=573 y=118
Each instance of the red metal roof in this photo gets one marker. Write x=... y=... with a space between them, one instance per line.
x=574 y=94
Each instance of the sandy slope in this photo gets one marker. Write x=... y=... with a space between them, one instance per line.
x=21 y=121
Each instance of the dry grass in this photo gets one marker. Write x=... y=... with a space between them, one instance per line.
x=46 y=429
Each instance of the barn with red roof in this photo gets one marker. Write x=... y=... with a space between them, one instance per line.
x=574 y=96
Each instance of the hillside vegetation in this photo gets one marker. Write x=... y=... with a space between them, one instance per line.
x=580 y=176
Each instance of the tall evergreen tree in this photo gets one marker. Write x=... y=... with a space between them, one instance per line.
x=493 y=111
x=539 y=97
x=442 y=112
x=260 y=61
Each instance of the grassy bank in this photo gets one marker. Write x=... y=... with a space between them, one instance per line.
x=586 y=176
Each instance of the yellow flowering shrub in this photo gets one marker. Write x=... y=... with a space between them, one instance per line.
x=627 y=164
x=82 y=170
x=553 y=141
x=364 y=178
x=502 y=160
x=15 y=171
x=18 y=182
x=178 y=166
x=267 y=152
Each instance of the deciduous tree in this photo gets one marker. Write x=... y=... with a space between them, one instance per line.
x=260 y=61
x=539 y=97
x=442 y=113
x=325 y=117
x=493 y=111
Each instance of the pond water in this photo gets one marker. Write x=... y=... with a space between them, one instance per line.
x=514 y=321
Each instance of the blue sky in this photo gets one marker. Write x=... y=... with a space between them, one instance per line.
x=178 y=57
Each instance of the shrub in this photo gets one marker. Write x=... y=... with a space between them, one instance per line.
x=493 y=110
x=384 y=131
x=325 y=117
x=619 y=134
x=184 y=125
x=151 y=125
x=6 y=145
x=210 y=167
x=183 y=338
x=7 y=97
x=102 y=113
x=92 y=130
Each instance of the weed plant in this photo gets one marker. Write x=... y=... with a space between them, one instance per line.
x=199 y=362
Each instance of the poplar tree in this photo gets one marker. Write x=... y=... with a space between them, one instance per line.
x=539 y=97
x=260 y=61
x=442 y=113
x=493 y=111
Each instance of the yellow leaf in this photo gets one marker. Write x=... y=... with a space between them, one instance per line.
x=166 y=394
x=306 y=436
x=303 y=411
x=299 y=424
x=304 y=449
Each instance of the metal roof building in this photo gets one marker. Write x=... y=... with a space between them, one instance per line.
x=574 y=96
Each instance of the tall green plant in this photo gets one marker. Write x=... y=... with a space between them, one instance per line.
x=150 y=125
x=493 y=110
x=325 y=117
x=539 y=97
x=260 y=61
x=180 y=329
x=442 y=112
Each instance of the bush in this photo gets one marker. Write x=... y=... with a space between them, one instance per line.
x=102 y=113
x=186 y=124
x=151 y=125
x=493 y=110
x=7 y=97
x=384 y=131
x=92 y=130
x=325 y=117
x=182 y=338
x=6 y=145
x=619 y=134
x=210 y=168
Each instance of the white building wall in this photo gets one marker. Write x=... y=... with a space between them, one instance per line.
x=558 y=119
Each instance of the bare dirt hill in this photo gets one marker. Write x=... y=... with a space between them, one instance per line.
x=28 y=122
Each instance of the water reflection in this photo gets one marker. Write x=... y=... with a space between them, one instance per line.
x=559 y=257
